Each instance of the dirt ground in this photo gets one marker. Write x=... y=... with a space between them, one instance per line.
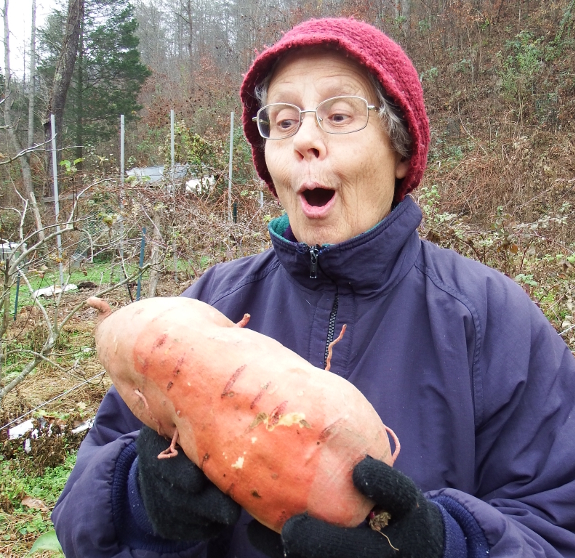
x=66 y=396
x=75 y=354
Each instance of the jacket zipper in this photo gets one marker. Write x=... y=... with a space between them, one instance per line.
x=331 y=327
x=314 y=255
x=313 y=265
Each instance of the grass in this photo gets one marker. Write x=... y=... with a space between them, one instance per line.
x=100 y=274
x=19 y=480
x=21 y=525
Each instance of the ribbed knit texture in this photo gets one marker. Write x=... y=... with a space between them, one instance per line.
x=463 y=535
x=132 y=525
x=374 y=50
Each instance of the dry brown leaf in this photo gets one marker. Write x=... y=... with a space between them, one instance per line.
x=34 y=503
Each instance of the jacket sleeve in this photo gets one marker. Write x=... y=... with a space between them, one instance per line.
x=523 y=377
x=99 y=513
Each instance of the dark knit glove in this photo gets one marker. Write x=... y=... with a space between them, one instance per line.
x=181 y=503
x=415 y=528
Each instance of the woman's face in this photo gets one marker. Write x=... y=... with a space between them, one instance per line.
x=333 y=187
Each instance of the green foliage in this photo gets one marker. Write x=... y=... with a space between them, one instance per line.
x=565 y=26
x=70 y=166
x=430 y=74
x=522 y=64
x=108 y=73
x=202 y=156
x=19 y=481
x=47 y=542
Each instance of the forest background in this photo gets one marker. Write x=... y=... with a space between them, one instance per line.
x=499 y=84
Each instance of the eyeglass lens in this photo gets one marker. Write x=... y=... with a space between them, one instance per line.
x=339 y=115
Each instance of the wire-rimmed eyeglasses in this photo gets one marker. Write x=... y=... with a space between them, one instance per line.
x=337 y=115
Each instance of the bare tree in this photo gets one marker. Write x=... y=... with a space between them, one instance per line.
x=8 y=119
x=64 y=71
x=32 y=97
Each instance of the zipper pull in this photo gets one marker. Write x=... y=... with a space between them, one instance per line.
x=314 y=254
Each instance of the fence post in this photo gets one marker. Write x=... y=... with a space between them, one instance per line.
x=230 y=171
x=173 y=179
x=121 y=218
x=56 y=198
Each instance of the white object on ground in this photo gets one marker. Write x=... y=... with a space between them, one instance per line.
x=53 y=290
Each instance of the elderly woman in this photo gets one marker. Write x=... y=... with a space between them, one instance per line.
x=452 y=355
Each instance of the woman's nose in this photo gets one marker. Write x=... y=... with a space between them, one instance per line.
x=309 y=140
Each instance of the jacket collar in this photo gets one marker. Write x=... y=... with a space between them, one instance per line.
x=370 y=263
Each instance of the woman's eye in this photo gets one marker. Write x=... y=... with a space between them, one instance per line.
x=339 y=118
x=286 y=123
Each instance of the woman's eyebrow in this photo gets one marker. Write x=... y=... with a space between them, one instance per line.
x=288 y=95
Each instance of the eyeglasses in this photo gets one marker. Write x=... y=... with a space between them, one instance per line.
x=338 y=115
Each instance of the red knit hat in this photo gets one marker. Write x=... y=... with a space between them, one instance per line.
x=371 y=48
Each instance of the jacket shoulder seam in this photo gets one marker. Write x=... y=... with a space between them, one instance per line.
x=465 y=301
x=253 y=278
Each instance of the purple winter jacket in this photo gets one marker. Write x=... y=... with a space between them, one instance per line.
x=455 y=358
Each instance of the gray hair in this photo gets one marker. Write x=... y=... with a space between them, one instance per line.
x=390 y=114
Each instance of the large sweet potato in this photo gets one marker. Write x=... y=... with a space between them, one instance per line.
x=278 y=435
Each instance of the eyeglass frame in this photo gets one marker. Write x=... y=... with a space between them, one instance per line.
x=256 y=118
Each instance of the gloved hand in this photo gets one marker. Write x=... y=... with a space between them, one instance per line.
x=181 y=503
x=415 y=528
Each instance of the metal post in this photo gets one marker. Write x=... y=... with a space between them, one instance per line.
x=230 y=172
x=56 y=197
x=122 y=173
x=142 y=251
x=173 y=151
x=173 y=179
x=122 y=156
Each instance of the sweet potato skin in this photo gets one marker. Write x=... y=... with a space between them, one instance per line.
x=278 y=435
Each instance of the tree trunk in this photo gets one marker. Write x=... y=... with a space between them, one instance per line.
x=32 y=97
x=63 y=76
x=190 y=46
x=16 y=144
x=80 y=101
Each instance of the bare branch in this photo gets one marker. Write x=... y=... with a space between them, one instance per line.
x=23 y=152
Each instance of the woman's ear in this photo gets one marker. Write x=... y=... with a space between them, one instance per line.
x=402 y=167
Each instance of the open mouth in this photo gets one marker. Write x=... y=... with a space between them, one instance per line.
x=318 y=197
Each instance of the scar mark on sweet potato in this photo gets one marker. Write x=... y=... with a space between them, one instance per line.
x=283 y=517
x=260 y=417
x=169 y=386
x=277 y=413
x=178 y=365
x=159 y=341
x=255 y=494
x=328 y=431
x=204 y=459
x=154 y=419
x=228 y=389
x=259 y=395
